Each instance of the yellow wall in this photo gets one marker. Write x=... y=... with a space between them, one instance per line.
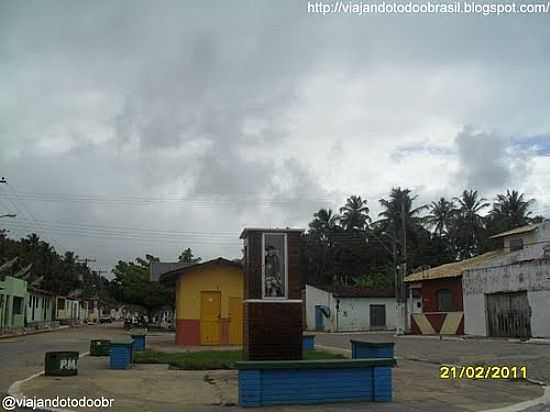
x=225 y=278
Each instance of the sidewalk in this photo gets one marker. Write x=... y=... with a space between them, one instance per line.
x=25 y=332
x=157 y=388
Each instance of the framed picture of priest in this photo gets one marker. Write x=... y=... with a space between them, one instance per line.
x=274 y=266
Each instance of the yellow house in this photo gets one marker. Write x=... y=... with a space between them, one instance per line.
x=208 y=303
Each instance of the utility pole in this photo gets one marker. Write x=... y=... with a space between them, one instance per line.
x=395 y=268
x=85 y=260
x=403 y=267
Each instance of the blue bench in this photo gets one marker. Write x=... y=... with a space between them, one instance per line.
x=263 y=383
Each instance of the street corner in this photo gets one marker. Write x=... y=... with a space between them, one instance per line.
x=142 y=387
x=418 y=382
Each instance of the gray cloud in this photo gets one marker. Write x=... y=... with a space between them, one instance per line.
x=489 y=162
x=259 y=110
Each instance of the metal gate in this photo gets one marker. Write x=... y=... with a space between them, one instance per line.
x=377 y=316
x=509 y=315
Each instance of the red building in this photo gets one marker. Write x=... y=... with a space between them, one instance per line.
x=435 y=301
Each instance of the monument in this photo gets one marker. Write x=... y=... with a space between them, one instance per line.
x=272 y=294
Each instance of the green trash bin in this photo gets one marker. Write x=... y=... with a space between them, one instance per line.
x=100 y=347
x=61 y=363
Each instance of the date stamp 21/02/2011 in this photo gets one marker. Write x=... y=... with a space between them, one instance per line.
x=482 y=372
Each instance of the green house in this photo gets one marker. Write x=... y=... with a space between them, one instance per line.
x=13 y=301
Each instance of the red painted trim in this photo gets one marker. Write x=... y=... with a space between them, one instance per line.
x=188 y=332
x=460 y=330
x=436 y=320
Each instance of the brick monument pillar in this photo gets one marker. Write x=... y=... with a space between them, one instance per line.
x=272 y=294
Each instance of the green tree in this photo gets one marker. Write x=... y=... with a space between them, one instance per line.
x=469 y=229
x=324 y=223
x=441 y=217
x=355 y=214
x=131 y=285
x=510 y=210
x=187 y=257
x=390 y=217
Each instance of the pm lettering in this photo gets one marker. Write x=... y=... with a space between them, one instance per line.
x=67 y=364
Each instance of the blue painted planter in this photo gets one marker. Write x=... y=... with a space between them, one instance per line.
x=139 y=343
x=138 y=335
x=366 y=350
x=341 y=380
x=122 y=355
x=309 y=342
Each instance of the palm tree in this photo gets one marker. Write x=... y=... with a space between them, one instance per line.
x=32 y=241
x=441 y=216
x=324 y=223
x=391 y=221
x=510 y=210
x=470 y=225
x=355 y=214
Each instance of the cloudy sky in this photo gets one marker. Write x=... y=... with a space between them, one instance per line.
x=145 y=127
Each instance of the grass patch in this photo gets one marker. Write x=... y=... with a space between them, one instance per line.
x=211 y=359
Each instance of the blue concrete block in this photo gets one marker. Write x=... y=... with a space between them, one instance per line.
x=121 y=356
x=360 y=349
x=139 y=343
x=309 y=342
x=382 y=379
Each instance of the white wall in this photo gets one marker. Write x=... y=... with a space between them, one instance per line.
x=315 y=296
x=354 y=313
x=42 y=309
x=540 y=313
x=534 y=244
x=531 y=276
x=475 y=322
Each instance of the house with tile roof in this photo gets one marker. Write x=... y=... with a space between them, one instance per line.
x=345 y=309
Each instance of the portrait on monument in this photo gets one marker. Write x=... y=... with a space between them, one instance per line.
x=274 y=267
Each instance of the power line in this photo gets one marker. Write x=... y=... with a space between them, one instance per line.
x=223 y=199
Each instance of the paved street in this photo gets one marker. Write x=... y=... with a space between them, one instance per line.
x=22 y=356
x=458 y=352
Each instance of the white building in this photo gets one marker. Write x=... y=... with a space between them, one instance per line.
x=67 y=310
x=344 y=309
x=40 y=307
x=510 y=295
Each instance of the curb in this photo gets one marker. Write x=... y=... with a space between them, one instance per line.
x=37 y=332
x=15 y=388
x=543 y=400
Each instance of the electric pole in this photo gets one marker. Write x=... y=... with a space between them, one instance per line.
x=85 y=261
x=403 y=266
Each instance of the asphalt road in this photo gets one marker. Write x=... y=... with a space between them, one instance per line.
x=23 y=356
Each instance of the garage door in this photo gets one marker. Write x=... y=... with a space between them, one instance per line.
x=509 y=315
